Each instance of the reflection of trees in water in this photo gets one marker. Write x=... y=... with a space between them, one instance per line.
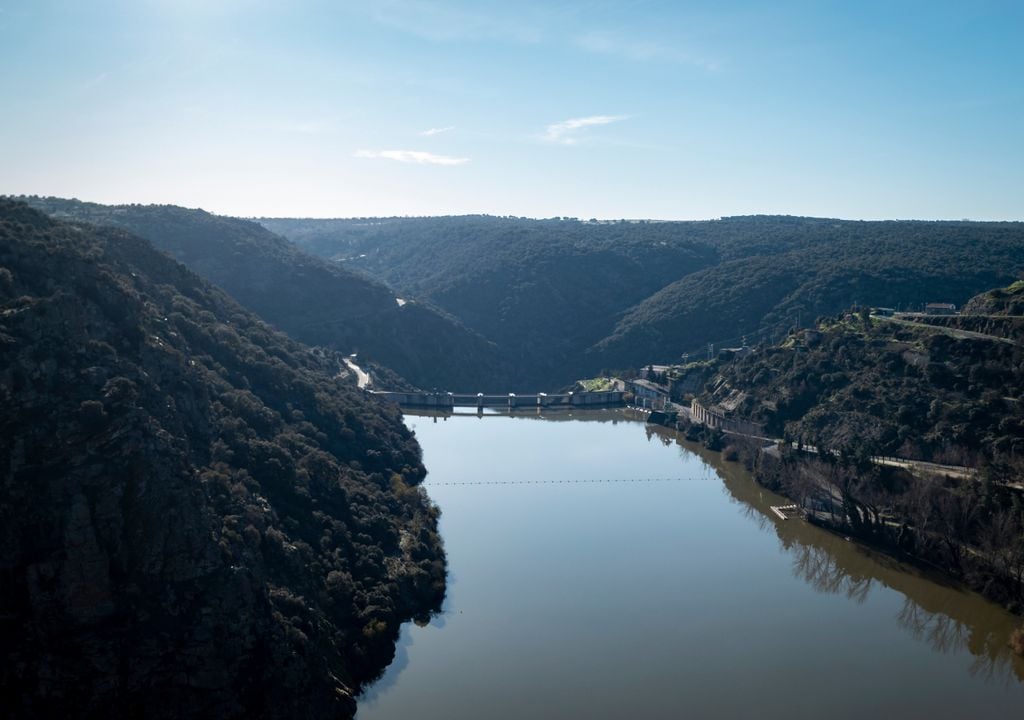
x=828 y=572
x=930 y=613
x=750 y=511
x=992 y=660
x=823 y=571
x=653 y=433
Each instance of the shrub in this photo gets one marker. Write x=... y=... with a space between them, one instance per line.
x=1017 y=640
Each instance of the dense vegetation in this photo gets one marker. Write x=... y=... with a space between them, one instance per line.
x=315 y=302
x=861 y=387
x=544 y=291
x=565 y=298
x=896 y=389
x=196 y=517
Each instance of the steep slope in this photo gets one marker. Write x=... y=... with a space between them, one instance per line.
x=544 y=291
x=568 y=298
x=861 y=387
x=314 y=301
x=887 y=388
x=1008 y=301
x=764 y=295
x=197 y=519
x=998 y=313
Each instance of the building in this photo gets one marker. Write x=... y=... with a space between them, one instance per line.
x=648 y=394
x=717 y=416
x=940 y=309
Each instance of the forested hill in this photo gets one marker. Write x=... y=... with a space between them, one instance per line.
x=196 y=518
x=885 y=387
x=544 y=291
x=566 y=298
x=314 y=301
x=858 y=387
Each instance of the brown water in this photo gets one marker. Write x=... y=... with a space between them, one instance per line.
x=607 y=571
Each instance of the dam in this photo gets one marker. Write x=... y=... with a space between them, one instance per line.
x=443 y=400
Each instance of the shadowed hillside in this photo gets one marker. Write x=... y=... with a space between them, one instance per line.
x=197 y=518
x=567 y=298
x=313 y=301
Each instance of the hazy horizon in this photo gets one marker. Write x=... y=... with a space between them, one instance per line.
x=514 y=216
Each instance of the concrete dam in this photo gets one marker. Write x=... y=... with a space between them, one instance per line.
x=447 y=400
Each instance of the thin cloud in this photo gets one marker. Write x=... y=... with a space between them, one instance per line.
x=640 y=50
x=442 y=22
x=413 y=157
x=567 y=132
x=436 y=131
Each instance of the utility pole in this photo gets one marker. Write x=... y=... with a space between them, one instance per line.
x=711 y=350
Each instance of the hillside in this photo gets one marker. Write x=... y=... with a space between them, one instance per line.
x=1008 y=301
x=887 y=388
x=860 y=387
x=995 y=313
x=566 y=298
x=197 y=518
x=315 y=302
x=544 y=291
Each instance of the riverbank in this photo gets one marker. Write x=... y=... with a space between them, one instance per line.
x=580 y=590
x=831 y=493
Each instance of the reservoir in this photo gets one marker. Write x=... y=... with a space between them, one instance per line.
x=599 y=568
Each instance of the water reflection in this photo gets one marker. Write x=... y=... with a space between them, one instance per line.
x=948 y=619
x=945 y=616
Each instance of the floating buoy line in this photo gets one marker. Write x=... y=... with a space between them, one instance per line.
x=431 y=483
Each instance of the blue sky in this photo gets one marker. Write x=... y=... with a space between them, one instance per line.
x=895 y=109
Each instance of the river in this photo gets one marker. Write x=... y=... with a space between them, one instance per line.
x=602 y=569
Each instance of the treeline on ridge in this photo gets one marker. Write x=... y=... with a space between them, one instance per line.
x=564 y=299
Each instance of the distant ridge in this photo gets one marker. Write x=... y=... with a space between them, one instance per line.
x=314 y=301
x=565 y=298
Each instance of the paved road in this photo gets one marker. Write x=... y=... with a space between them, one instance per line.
x=952 y=332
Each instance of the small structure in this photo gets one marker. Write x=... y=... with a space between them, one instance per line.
x=783 y=510
x=884 y=312
x=940 y=309
x=721 y=416
x=647 y=393
x=663 y=417
x=738 y=352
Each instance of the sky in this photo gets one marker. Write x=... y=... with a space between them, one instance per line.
x=664 y=110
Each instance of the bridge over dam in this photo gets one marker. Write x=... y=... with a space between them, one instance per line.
x=447 y=400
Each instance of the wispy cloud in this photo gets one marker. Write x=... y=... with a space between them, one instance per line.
x=636 y=50
x=567 y=132
x=445 y=22
x=415 y=157
x=436 y=131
